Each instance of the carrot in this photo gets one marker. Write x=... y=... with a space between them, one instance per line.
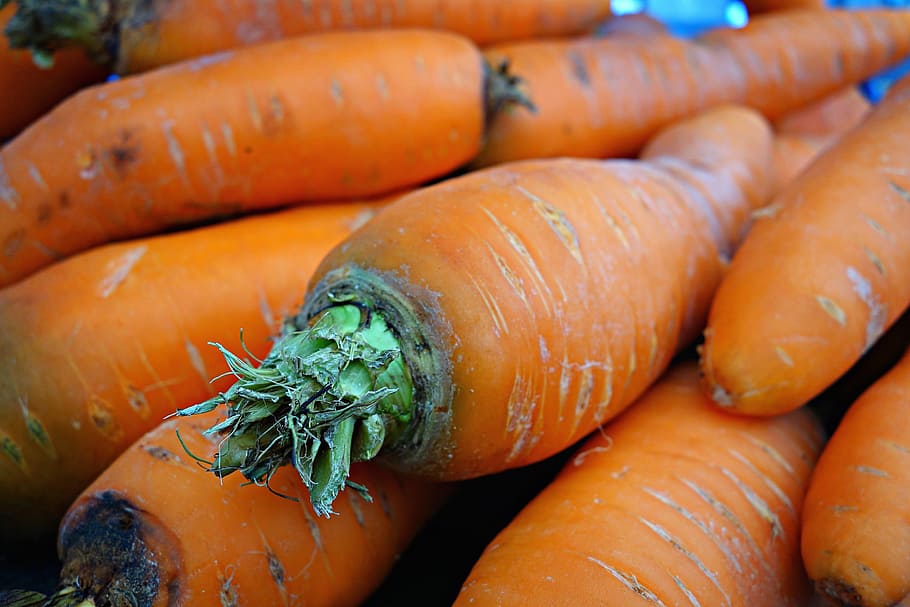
x=298 y=120
x=98 y=349
x=823 y=272
x=756 y=7
x=855 y=540
x=674 y=503
x=805 y=133
x=132 y=35
x=605 y=98
x=491 y=320
x=150 y=532
x=632 y=23
x=30 y=91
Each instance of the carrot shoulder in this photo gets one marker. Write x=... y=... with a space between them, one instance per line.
x=491 y=320
x=132 y=35
x=673 y=503
x=150 y=532
x=98 y=349
x=855 y=540
x=602 y=97
x=311 y=118
x=822 y=273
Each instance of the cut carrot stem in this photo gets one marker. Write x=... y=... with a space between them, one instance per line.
x=823 y=272
x=603 y=97
x=98 y=349
x=673 y=503
x=493 y=319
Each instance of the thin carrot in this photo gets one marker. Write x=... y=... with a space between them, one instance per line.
x=855 y=539
x=98 y=349
x=30 y=91
x=603 y=97
x=674 y=503
x=493 y=319
x=821 y=275
x=133 y=35
x=327 y=116
x=756 y=7
x=150 y=532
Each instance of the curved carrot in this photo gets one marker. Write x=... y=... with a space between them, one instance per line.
x=602 y=97
x=327 y=116
x=150 y=532
x=820 y=276
x=855 y=539
x=30 y=91
x=98 y=349
x=674 y=503
x=133 y=36
x=491 y=320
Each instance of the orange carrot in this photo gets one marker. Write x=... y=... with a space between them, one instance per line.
x=98 y=349
x=632 y=23
x=823 y=272
x=150 y=532
x=805 y=133
x=756 y=7
x=855 y=539
x=133 y=35
x=29 y=91
x=327 y=116
x=491 y=320
x=674 y=503
x=602 y=97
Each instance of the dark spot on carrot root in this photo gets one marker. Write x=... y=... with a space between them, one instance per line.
x=839 y=590
x=123 y=154
x=579 y=70
x=276 y=569
x=247 y=149
x=117 y=554
x=102 y=416
x=160 y=453
x=13 y=243
x=63 y=200
x=44 y=212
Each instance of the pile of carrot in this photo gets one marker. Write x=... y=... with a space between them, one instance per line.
x=302 y=272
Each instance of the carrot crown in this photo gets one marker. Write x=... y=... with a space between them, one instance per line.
x=326 y=395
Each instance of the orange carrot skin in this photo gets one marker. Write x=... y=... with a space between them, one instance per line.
x=299 y=120
x=855 y=540
x=605 y=97
x=823 y=272
x=98 y=349
x=555 y=291
x=214 y=544
x=673 y=503
x=29 y=91
x=184 y=29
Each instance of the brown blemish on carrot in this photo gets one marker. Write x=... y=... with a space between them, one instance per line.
x=38 y=433
x=137 y=400
x=276 y=569
x=11 y=450
x=839 y=590
x=63 y=199
x=45 y=210
x=579 y=69
x=102 y=415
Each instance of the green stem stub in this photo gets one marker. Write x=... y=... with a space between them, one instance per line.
x=329 y=394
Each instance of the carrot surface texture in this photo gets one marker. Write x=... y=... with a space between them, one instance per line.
x=603 y=97
x=327 y=116
x=149 y=532
x=132 y=36
x=98 y=349
x=823 y=272
x=673 y=503
x=855 y=540
x=30 y=91
x=493 y=319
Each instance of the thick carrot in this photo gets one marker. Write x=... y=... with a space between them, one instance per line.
x=674 y=503
x=327 y=116
x=823 y=272
x=756 y=7
x=855 y=539
x=491 y=320
x=98 y=349
x=30 y=91
x=150 y=532
x=132 y=35
x=603 y=97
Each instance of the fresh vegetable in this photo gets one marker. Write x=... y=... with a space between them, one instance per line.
x=493 y=319
x=98 y=349
x=133 y=36
x=149 y=531
x=756 y=7
x=674 y=503
x=30 y=91
x=328 y=116
x=599 y=97
x=823 y=272
x=855 y=539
